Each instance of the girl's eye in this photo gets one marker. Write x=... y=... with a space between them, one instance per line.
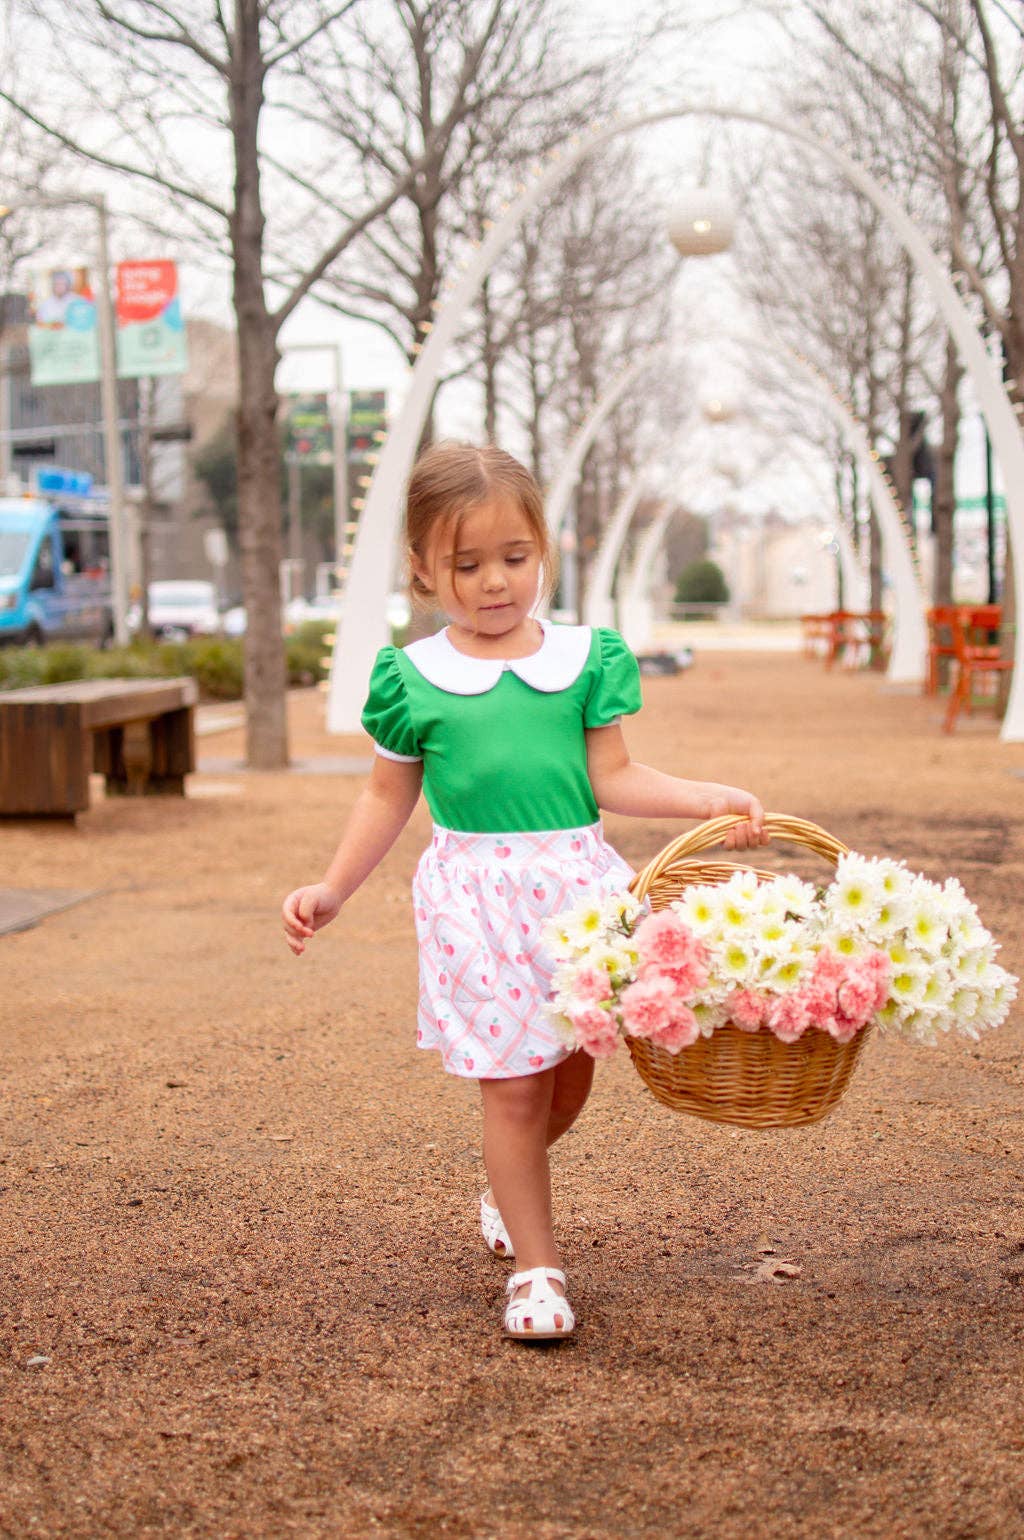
x=515 y=561
x=466 y=566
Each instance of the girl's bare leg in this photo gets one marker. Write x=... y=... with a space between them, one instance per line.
x=572 y=1082
x=573 y=1079
x=517 y=1113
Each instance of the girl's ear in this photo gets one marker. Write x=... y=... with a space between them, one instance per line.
x=420 y=572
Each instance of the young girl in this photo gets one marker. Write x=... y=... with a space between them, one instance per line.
x=509 y=725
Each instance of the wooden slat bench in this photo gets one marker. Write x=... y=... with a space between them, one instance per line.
x=138 y=733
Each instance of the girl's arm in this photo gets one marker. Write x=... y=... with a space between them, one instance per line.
x=381 y=812
x=620 y=786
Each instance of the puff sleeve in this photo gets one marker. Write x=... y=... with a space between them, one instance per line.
x=386 y=715
x=615 y=691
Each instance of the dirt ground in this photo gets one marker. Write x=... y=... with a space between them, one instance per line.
x=238 y=1208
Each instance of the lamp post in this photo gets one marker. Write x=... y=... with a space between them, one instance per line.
x=363 y=627
x=108 y=397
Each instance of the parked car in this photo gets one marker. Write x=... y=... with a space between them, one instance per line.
x=665 y=662
x=298 y=611
x=180 y=608
x=54 y=572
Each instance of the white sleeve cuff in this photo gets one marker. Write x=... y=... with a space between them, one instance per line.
x=401 y=759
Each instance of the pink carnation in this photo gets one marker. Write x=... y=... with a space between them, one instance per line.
x=865 y=988
x=789 y=1017
x=878 y=967
x=596 y=1032
x=843 y=1028
x=819 y=996
x=590 y=985
x=747 y=1009
x=829 y=967
x=681 y=1031
x=667 y=944
x=857 y=996
x=649 y=1006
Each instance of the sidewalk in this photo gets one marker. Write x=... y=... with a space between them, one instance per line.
x=730 y=636
x=243 y=1292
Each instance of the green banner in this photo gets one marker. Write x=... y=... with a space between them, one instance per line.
x=309 y=435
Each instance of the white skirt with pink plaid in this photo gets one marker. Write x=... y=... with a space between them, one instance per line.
x=480 y=902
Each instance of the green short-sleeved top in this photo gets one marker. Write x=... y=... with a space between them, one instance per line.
x=502 y=742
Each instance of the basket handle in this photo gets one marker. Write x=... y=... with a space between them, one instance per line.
x=778 y=825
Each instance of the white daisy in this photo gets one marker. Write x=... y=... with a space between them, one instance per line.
x=855 y=895
x=701 y=906
x=926 y=928
x=584 y=925
x=795 y=896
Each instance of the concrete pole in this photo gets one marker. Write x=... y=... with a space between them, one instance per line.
x=111 y=428
x=5 y=418
x=364 y=625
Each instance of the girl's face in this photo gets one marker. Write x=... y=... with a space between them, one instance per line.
x=488 y=583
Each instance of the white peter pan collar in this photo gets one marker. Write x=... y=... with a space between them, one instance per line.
x=556 y=664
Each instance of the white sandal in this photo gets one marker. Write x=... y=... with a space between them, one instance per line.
x=492 y=1227
x=539 y=1307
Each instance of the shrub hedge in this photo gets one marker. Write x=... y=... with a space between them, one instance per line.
x=215 y=662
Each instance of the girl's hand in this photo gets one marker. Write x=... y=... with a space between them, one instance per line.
x=306 y=911
x=729 y=799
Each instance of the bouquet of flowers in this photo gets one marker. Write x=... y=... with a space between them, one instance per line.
x=880 y=943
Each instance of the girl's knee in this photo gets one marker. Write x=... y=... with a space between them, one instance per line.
x=524 y=1099
x=573 y=1079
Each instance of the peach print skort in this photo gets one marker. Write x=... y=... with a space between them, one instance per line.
x=480 y=902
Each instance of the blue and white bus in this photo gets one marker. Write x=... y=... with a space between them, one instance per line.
x=55 y=563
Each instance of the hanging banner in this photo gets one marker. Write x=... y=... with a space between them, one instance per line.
x=150 y=329
x=367 y=421
x=63 y=337
x=310 y=434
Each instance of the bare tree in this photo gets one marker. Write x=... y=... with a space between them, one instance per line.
x=189 y=106
x=958 y=83
x=471 y=137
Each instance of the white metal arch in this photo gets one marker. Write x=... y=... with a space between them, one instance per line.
x=363 y=627
x=559 y=497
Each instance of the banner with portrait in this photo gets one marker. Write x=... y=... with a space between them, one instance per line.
x=63 y=336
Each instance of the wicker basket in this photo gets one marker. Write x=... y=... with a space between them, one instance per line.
x=748 y=1078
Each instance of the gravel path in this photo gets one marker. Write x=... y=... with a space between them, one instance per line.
x=241 y=1284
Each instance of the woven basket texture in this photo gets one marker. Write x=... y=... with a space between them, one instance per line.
x=751 y=1079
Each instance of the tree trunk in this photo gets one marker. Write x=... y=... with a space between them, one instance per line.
x=903 y=456
x=490 y=363
x=875 y=563
x=840 y=490
x=259 y=471
x=944 y=490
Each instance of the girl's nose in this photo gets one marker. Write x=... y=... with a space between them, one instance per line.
x=494 y=578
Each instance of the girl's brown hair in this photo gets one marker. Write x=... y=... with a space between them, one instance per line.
x=450 y=480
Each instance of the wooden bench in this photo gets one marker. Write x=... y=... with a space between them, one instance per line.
x=858 y=639
x=138 y=733
x=817 y=634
